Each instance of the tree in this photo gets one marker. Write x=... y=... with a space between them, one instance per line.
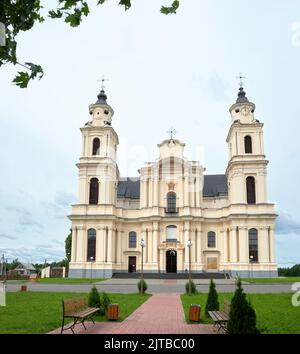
x=212 y=303
x=68 y=246
x=94 y=298
x=21 y=15
x=242 y=316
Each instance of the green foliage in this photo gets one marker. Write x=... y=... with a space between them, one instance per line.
x=212 y=303
x=290 y=272
x=105 y=301
x=171 y=9
x=142 y=285
x=22 y=15
x=94 y=298
x=68 y=246
x=193 y=287
x=242 y=316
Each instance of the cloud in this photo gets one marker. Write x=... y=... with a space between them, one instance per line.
x=217 y=87
x=287 y=224
x=20 y=211
x=33 y=255
x=28 y=221
x=64 y=200
x=8 y=237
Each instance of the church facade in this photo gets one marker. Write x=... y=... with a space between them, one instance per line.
x=226 y=219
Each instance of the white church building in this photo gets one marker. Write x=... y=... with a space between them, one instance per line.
x=227 y=217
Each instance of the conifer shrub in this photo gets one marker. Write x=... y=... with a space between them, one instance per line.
x=212 y=303
x=94 y=298
x=242 y=316
x=105 y=301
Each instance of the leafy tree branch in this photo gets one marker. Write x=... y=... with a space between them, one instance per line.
x=21 y=15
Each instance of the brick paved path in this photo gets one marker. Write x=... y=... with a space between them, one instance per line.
x=161 y=314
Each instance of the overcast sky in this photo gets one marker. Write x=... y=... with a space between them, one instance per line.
x=164 y=71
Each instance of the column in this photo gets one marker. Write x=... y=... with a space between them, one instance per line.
x=263 y=245
x=186 y=189
x=161 y=261
x=199 y=246
x=221 y=246
x=99 y=244
x=186 y=232
x=155 y=192
x=120 y=251
x=225 y=246
x=243 y=243
x=193 y=250
x=154 y=243
x=233 y=250
x=150 y=192
x=109 y=245
x=272 y=245
x=198 y=192
x=74 y=244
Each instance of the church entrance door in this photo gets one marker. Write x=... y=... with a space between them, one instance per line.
x=171 y=261
x=131 y=264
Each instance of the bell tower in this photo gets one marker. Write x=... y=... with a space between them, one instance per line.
x=247 y=164
x=98 y=170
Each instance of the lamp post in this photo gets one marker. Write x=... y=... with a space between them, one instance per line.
x=91 y=260
x=189 y=245
x=143 y=245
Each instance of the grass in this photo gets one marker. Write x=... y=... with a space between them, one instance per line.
x=37 y=312
x=68 y=280
x=275 y=312
x=272 y=280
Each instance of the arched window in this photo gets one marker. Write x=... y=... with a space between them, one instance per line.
x=132 y=239
x=248 y=144
x=211 y=239
x=91 y=244
x=94 y=191
x=253 y=245
x=96 y=146
x=171 y=232
x=251 y=195
x=171 y=202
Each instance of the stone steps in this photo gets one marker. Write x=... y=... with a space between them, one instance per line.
x=169 y=276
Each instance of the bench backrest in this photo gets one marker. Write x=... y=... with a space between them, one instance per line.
x=227 y=307
x=71 y=306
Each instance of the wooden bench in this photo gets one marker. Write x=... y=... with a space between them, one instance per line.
x=77 y=309
x=221 y=318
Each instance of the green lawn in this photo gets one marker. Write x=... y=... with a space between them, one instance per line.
x=272 y=280
x=68 y=280
x=36 y=312
x=275 y=312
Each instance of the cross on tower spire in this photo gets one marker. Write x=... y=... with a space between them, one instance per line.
x=172 y=132
x=103 y=80
x=240 y=78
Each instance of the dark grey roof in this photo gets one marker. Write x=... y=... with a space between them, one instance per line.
x=215 y=185
x=102 y=98
x=129 y=188
x=242 y=96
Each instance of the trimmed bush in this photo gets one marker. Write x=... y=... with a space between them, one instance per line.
x=242 y=316
x=94 y=298
x=105 y=301
x=142 y=285
x=193 y=287
x=212 y=303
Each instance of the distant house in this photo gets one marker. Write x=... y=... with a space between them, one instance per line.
x=25 y=269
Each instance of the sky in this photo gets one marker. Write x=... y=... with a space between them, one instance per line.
x=164 y=71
